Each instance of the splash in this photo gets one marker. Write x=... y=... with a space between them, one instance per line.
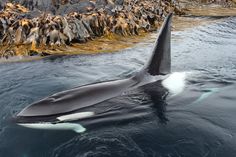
x=175 y=82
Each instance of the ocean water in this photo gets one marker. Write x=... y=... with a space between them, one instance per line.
x=191 y=113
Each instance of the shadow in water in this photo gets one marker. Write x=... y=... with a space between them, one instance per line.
x=157 y=94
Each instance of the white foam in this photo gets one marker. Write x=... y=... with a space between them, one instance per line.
x=175 y=82
x=58 y=126
x=75 y=116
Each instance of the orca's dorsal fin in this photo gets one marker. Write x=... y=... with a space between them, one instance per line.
x=160 y=62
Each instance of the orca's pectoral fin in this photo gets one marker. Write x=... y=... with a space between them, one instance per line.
x=160 y=62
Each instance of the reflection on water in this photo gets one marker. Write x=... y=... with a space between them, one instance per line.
x=197 y=120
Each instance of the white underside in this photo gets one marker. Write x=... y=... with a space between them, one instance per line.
x=75 y=116
x=58 y=126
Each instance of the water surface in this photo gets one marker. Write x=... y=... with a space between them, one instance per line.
x=147 y=122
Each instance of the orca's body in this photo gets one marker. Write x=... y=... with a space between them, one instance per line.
x=68 y=101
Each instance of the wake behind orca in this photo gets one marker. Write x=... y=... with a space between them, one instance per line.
x=62 y=105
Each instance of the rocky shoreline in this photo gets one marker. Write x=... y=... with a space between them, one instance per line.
x=29 y=31
x=34 y=28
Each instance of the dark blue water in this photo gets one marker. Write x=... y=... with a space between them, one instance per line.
x=145 y=122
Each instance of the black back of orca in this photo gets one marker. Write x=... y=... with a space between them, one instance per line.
x=81 y=97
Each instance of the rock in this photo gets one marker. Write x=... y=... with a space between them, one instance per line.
x=43 y=54
x=8 y=53
x=119 y=2
x=33 y=53
x=34 y=21
x=82 y=7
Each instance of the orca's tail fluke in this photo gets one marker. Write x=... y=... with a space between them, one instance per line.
x=160 y=62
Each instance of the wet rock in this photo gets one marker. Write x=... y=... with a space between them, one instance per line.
x=82 y=7
x=32 y=14
x=1 y=6
x=8 y=53
x=43 y=54
x=80 y=31
x=35 y=23
x=119 y=2
x=33 y=53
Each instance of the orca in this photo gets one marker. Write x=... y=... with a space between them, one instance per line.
x=63 y=104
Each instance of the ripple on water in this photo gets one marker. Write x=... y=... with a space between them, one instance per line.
x=103 y=144
x=144 y=122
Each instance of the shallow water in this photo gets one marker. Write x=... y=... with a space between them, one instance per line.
x=149 y=121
